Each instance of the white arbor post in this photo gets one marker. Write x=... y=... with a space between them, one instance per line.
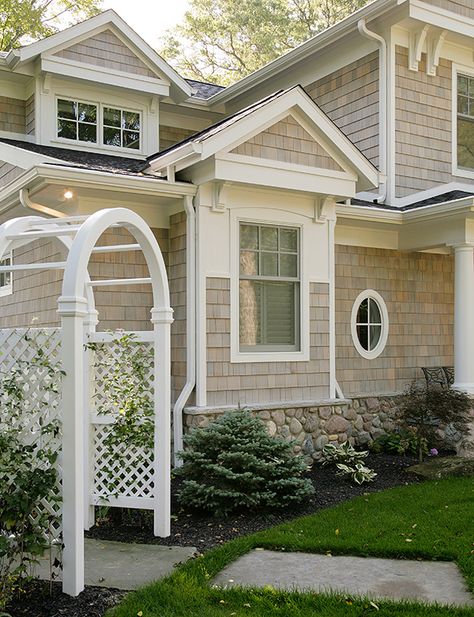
x=73 y=310
x=464 y=318
x=162 y=319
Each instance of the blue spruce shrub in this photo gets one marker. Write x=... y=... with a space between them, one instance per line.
x=233 y=464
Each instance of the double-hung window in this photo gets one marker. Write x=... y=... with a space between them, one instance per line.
x=6 y=283
x=465 y=122
x=269 y=288
x=77 y=121
x=121 y=128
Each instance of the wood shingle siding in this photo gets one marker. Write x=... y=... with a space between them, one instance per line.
x=171 y=135
x=264 y=382
x=350 y=98
x=12 y=114
x=8 y=173
x=288 y=142
x=418 y=289
x=30 y=115
x=462 y=7
x=107 y=50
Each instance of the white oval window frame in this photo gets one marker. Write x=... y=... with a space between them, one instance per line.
x=374 y=353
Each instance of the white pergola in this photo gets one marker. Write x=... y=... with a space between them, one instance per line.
x=76 y=308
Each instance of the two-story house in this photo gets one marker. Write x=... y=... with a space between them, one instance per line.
x=315 y=217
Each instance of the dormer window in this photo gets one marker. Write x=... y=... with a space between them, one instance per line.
x=94 y=123
x=77 y=121
x=465 y=122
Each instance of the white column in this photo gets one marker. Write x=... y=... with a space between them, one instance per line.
x=72 y=311
x=162 y=320
x=464 y=318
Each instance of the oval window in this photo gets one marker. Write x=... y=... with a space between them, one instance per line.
x=369 y=324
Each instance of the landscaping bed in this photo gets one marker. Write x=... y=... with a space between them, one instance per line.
x=203 y=533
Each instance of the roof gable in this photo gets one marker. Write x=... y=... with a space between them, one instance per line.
x=288 y=141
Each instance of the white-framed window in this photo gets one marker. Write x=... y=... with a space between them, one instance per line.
x=369 y=324
x=269 y=288
x=465 y=121
x=6 y=278
x=95 y=123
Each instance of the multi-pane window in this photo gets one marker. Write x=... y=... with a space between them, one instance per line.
x=77 y=121
x=369 y=324
x=6 y=277
x=121 y=128
x=269 y=288
x=465 y=122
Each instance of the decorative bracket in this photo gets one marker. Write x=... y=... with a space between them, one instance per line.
x=46 y=83
x=435 y=44
x=218 y=203
x=416 y=42
x=153 y=105
x=324 y=209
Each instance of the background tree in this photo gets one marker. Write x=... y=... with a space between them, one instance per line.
x=22 y=21
x=223 y=40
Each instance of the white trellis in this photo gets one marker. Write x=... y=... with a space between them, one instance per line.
x=81 y=488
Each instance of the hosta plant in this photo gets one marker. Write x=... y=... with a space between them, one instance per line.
x=358 y=473
x=349 y=462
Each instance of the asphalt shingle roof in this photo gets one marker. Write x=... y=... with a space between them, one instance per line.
x=432 y=201
x=203 y=89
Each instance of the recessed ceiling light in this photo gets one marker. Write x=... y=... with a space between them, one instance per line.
x=68 y=194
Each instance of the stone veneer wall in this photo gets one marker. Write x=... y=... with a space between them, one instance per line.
x=418 y=289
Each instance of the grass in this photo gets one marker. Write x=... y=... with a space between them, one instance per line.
x=433 y=520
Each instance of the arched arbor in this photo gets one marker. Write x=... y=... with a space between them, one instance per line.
x=76 y=308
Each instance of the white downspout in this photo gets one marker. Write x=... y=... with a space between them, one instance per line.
x=190 y=328
x=383 y=155
x=31 y=205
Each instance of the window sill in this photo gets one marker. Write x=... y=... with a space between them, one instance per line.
x=269 y=356
x=6 y=291
x=88 y=146
x=463 y=173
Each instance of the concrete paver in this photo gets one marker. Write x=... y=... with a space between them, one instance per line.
x=124 y=566
x=424 y=581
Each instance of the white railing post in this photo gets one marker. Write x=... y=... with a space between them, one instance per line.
x=162 y=318
x=72 y=311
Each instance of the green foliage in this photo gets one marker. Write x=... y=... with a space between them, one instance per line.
x=403 y=441
x=124 y=369
x=28 y=475
x=224 y=40
x=423 y=409
x=234 y=464
x=22 y=21
x=348 y=461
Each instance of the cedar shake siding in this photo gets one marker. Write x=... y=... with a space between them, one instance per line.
x=461 y=7
x=30 y=115
x=264 y=382
x=12 y=115
x=171 y=135
x=418 y=291
x=177 y=283
x=288 y=142
x=8 y=173
x=106 y=50
x=35 y=295
x=350 y=98
x=423 y=126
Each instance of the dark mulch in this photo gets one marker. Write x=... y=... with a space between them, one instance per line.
x=203 y=532
x=38 y=600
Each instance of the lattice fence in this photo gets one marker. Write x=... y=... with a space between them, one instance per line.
x=122 y=474
x=26 y=357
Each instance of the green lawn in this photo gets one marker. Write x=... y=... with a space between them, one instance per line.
x=434 y=520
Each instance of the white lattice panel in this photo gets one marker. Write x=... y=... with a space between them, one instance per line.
x=22 y=355
x=124 y=476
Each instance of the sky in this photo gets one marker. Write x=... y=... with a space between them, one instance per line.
x=150 y=18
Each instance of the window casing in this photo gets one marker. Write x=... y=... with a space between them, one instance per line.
x=6 y=278
x=94 y=123
x=269 y=288
x=465 y=121
x=369 y=324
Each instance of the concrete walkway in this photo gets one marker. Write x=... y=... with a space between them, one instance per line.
x=423 y=581
x=124 y=566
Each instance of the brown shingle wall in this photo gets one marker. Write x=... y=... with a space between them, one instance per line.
x=177 y=280
x=288 y=142
x=418 y=291
x=12 y=115
x=35 y=295
x=30 y=115
x=258 y=382
x=171 y=135
x=8 y=173
x=350 y=98
x=462 y=7
x=108 y=51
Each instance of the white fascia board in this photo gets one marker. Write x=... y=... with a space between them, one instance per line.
x=441 y=18
x=188 y=154
x=97 y=74
x=69 y=36
x=304 y=50
x=264 y=175
x=23 y=158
